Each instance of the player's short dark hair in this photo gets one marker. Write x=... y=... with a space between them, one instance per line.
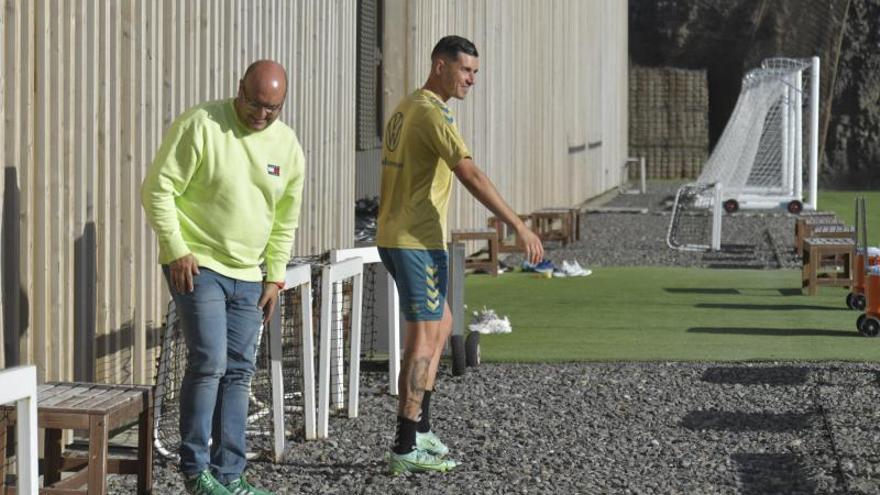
x=450 y=46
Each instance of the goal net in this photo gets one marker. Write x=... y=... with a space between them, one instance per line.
x=759 y=160
x=696 y=219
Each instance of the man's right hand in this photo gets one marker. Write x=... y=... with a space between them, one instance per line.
x=182 y=271
x=529 y=242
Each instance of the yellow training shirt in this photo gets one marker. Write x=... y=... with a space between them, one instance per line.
x=421 y=146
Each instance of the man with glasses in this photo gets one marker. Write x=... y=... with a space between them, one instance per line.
x=223 y=195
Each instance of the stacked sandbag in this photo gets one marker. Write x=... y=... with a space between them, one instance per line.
x=668 y=121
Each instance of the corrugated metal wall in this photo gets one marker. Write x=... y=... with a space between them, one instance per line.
x=86 y=90
x=547 y=118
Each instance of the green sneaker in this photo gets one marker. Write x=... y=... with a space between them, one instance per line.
x=430 y=443
x=204 y=484
x=242 y=487
x=417 y=461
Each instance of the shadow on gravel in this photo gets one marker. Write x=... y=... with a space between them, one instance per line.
x=700 y=290
x=761 y=474
x=777 y=375
x=742 y=421
x=769 y=307
x=778 y=332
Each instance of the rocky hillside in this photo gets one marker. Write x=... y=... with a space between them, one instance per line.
x=727 y=37
x=853 y=139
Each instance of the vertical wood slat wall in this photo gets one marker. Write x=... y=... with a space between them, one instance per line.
x=86 y=90
x=547 y=117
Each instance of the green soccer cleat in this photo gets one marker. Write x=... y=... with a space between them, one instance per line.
x=204 y=484
x=242 y=487
x=430 y=443
x=418 y=461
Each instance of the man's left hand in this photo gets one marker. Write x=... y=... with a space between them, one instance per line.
x=268 y=300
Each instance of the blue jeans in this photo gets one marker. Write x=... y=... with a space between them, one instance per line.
x=221 y=322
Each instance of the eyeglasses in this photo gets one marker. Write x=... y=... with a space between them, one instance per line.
x=257 y=106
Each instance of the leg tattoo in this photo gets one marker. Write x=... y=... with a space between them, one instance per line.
x=418 y=381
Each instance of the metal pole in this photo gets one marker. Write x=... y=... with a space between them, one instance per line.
x=799 y=136
x=455 y=288
x=716 y=219
x=642 y=175
x=813 y=201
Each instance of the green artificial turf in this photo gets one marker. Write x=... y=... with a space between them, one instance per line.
x=842 y=203
x=660 y=313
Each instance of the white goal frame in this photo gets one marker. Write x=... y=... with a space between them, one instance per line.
x=792 y=163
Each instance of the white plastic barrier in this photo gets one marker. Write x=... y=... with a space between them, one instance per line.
x=19 y=385
x=332 y=331
x=296 y=276
x=392 y=310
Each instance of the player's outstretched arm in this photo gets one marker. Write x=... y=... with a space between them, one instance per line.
x=482 y=188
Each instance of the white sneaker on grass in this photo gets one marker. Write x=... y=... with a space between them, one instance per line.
x=581 y=271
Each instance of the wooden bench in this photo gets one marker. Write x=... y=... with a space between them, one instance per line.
x=507 y=239
x=557 y=224
x=803 y=227
x=827 y=261
x=491 y=236
x=832 y=231
x=99 y=409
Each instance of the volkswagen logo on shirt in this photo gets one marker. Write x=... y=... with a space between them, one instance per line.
x=392 y=131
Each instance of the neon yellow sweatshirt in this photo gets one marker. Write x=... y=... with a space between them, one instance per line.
x=228 y=195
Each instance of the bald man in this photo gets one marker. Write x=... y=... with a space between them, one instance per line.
x=223 y=195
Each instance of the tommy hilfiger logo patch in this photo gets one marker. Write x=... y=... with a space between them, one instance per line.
x=273 y=169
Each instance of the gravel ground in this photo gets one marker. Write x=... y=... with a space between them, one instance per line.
x=749 y=239
x=627 y=428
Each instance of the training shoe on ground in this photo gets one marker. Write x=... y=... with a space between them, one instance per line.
x=545 y=266
x=430 y=443
x=487 y=321
x=417 y=461
x=579 y=270
x=527 y=267
x=204 y=484
x=242 y=487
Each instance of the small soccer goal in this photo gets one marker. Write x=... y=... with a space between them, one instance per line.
x=696 y=218
x=282 y=392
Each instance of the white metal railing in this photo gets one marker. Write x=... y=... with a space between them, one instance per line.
x=332 y=332
x=19 y=385
x=624 y=180
x=296 y=276
x=370 y=255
